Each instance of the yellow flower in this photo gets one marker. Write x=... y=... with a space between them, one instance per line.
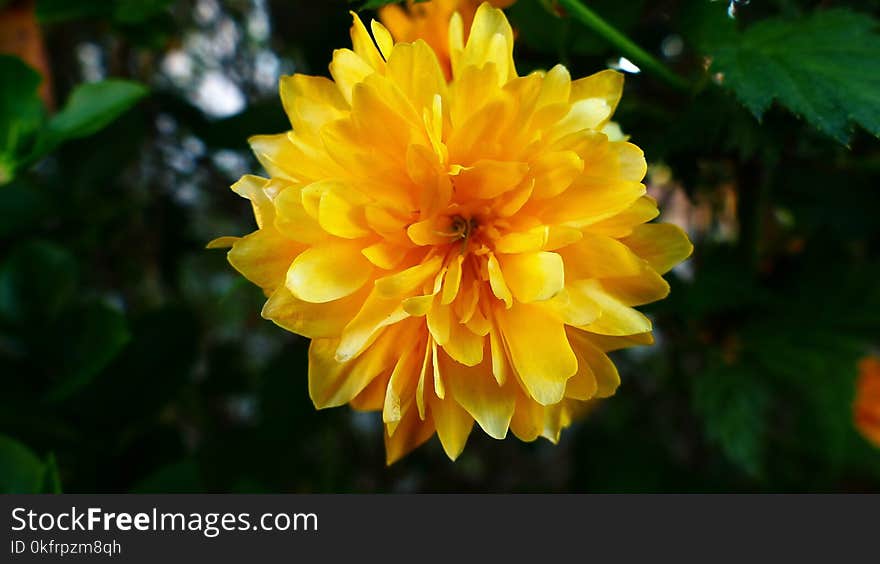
x=430 y=21
x=457 y=252
x=866 y=410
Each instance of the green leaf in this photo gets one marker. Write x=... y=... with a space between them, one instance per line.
x=21 y=206
x=374 y=4
x=179 y=477
x=825 y=68
x=37 y=280
x=54 y=11
x=51 y=477
x=21 y=471
x=87 y=341
x=90 y=108
x=137 y=11
x=21 y=112
x=540 y=27
x=733 y=406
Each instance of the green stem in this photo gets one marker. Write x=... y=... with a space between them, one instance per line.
x=632 y=51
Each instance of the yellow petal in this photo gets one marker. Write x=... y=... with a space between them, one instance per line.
x=663 y=245
x=553 y=422
x=348 y=69
x=385 y=255
x=276 y=153
x=439 y=319
x=328 y=272
x=410 y=433
x=372 y=397
x=606 y=343
x=522 y=241
x=363 y=44
x=644 y=288
x=376 y=313
x=620 y=225
x=589 y=200
x=383 y=38
x=425 y=373
x=554 y=172
x=463 y=345
x=604 y=371
x=453 y=424
x=307 y=159
x=333 y=383
x=310 y=102
x=263 y=257
x=501 y=368
x=538 y=349
x=490 y=41
x=512 y=201
x=497 y=282
x=597 y=256
x=631 y=161
x=486 y=179
x=221 y=242
x=387 y=223
x=386 y=121
x=435 y=188
x=396 y=20
x=560 y=236
x=293 y=221
x=315 y=321
x=527 y=422
x=418 y=306
x=590 y=114
x=253 y=188
x=456 y=45
x=533 y=276
x=414 y=68
x=616 y=318
x=469 y=93
x=477 y=391
x=583 y=385
x=341 y=211
x=574 y=306
x=401 y=385
x=606 y=85
x=452 y=280
x=555 y=87
x=407 y=281
x=482 y=133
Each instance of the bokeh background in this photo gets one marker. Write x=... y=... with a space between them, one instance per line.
x=134 y=360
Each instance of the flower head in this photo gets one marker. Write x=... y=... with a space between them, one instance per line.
x=866 y=410
x=457 y=251
x=430 y=21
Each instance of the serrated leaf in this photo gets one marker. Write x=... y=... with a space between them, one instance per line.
x=824 y=68
x=89 y=109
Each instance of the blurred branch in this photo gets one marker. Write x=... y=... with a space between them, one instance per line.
x=635 y=53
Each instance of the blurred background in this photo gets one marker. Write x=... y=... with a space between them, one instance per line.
x=134 y=360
